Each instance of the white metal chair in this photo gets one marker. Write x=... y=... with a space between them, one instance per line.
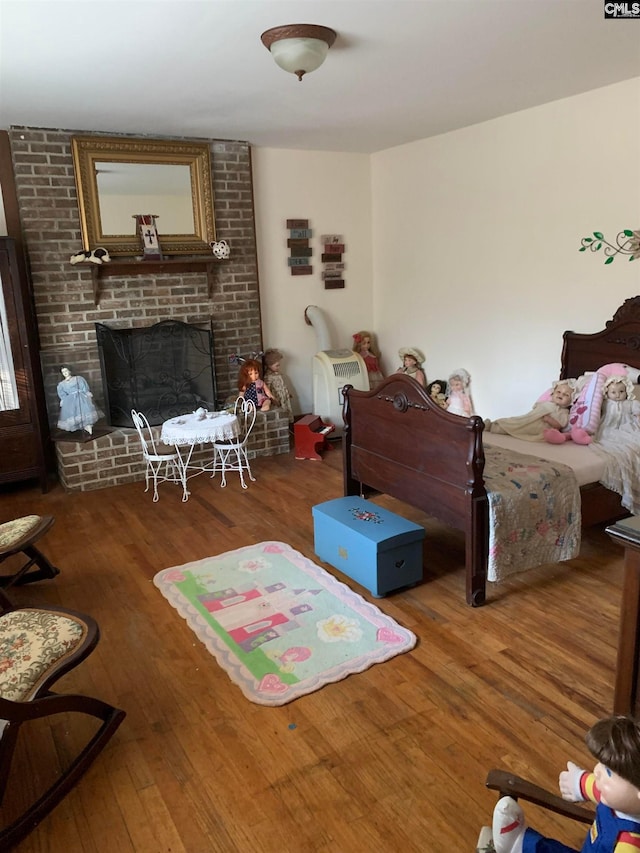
x=232 y=455
x=162 y=466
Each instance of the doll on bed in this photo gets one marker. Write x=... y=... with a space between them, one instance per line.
x=614 y=785
x=363 y=344
x=620 y=409
x=459 y=400
x=412 y=360
x=252 y=387
x=552 y=414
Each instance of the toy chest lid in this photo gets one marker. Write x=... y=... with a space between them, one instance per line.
x=376 y=524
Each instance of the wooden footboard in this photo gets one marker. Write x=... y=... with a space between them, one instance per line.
x=397 y=441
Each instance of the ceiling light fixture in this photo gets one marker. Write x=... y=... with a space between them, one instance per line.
x=299 y=48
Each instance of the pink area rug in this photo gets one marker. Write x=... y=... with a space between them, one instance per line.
x=279 y=625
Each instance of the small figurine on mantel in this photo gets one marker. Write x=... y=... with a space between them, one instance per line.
x=252 y=387
x=146 y=223
x=77 y=409
x=363 y=344
x=275 y=381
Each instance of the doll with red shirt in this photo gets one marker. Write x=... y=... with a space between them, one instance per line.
x=614 y=785
x=363 y=344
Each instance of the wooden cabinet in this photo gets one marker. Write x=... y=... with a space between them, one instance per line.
x=24 y=433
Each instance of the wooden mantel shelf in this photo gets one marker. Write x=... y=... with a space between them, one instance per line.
x=169 y=265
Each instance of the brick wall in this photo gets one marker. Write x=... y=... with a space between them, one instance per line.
x=64 y=294
x=113 y=459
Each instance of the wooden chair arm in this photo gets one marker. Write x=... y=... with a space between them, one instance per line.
x=508 y=784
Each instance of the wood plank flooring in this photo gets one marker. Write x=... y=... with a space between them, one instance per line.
x=392 y=759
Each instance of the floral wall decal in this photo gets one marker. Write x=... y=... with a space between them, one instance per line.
x=627 y=243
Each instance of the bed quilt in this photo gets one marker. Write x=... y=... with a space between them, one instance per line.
x=534 y=512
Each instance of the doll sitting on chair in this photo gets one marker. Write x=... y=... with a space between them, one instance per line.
x=614 y=785
x=252 y=387
x=275 y=381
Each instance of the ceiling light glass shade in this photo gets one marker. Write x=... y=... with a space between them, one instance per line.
x=299 y=48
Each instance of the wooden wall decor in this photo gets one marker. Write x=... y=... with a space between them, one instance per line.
x=333 y=265
x=298 y=245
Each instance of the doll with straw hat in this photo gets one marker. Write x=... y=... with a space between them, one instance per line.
x=412 y=361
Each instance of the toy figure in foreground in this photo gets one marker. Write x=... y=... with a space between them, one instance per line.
x=552 y=414
x=459 y=401
x=614 y=786
x=363 y=344
x=412 y=360
x=252 y=387
x=275 y=381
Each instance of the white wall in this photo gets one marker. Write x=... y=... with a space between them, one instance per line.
x=332 y=191
x=476 y=236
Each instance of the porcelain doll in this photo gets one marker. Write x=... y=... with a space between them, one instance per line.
x=252 y=387
x=275 y=381
x=614 y=786
x=545 y=415
x=77 y=409
x=620 y=409
x=362 y=344
x=459 y=400
x=437 y=391
x=412 y=361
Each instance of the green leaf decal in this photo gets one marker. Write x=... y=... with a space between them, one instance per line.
x=627 y=233
x=598 y=235
x=609 y=261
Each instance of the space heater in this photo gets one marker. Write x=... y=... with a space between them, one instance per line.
x=332 y=370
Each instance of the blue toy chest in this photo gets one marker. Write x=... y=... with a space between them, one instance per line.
x=380 y=550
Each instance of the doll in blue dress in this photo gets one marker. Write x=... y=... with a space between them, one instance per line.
x=77 y=409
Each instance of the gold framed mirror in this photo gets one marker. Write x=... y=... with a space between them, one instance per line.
x=119 y=177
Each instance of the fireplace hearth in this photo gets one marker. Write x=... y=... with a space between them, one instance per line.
x=163 y=370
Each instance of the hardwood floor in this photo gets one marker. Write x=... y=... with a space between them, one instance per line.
x=392 y=759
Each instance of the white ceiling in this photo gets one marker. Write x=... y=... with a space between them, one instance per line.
x=400 y=70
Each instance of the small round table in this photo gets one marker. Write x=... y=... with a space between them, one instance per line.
x=185 y=431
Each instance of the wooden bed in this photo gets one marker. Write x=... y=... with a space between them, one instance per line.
x=397 y=441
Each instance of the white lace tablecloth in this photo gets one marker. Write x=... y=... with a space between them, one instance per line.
x=187 y=430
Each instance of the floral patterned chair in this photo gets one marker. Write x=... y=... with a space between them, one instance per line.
x=37 y=646
x=19 y=536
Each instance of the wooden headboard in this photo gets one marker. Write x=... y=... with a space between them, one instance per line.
x=618 y=342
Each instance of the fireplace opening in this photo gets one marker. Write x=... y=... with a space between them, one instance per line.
x=162 y=370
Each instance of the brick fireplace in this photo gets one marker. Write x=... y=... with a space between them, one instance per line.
x=65 y=295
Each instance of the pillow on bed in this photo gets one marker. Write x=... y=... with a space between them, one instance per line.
x=586 y=409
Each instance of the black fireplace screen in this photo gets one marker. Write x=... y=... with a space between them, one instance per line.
x=162 y=370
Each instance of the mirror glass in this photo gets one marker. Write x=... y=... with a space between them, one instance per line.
x=120 y=177
x=126 y=189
